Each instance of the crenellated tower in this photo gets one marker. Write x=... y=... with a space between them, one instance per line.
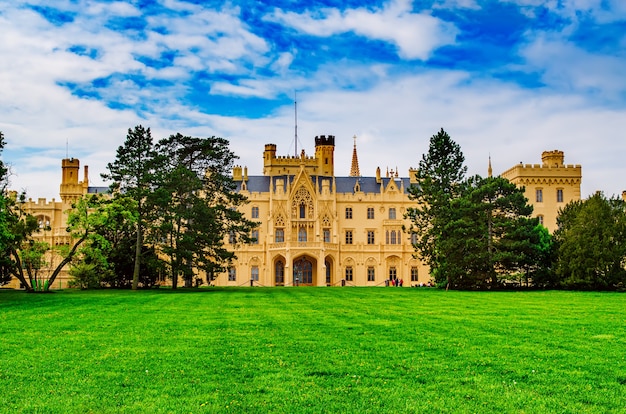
x=71 y=189
x=325 y=154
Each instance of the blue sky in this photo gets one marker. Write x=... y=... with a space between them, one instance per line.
x=507 y=79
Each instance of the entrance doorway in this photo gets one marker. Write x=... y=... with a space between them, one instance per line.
x=302 y=272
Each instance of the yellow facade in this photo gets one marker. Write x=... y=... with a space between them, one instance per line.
x=52 y=216
x=549 y=186
x=319 y=229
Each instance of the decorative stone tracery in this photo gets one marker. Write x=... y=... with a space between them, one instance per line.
x=302 y=198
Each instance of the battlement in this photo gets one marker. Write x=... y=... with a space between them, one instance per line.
x=239 y=173
x=325 y=140
x=42 y=203
x=549 y=167
x=70 y=162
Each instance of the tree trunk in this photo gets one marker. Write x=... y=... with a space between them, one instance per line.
x=491 y=270
x=65 y=261
x=137 y=255
x=19 y=273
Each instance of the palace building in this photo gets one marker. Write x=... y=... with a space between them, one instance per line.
x=319 y=229
x=322 y=230
x=549 y=186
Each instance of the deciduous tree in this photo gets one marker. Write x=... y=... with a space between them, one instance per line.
x=591 y=243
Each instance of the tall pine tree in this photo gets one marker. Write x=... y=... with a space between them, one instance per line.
x=439 y=181
x=132 y=174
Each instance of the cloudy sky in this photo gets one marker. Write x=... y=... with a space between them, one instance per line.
x=506 y=79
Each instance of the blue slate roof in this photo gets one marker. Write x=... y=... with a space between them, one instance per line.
x=261 y=183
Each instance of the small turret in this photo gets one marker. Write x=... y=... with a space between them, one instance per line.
x=237 y=173
x=270 y=152
x=552 y=158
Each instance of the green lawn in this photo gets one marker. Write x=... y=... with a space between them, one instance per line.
x=312 y=350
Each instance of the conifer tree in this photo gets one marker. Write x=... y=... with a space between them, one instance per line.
x=195 y=205
x=132 y=174
x=439 y=181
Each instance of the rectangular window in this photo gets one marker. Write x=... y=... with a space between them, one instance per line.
x=370 y=237
x=279 y=236
x=392 y=237
x=302 y=211
x=232 y=274
x=559 y=195
x=348 y=212
x=349 y=273
x=392 y=213
x=371 y=274
x=539 y=195
x=254 y=273
x=414 y=274
x=414 y=238
x=370 y=213
x=540 y=219
x=255 y=237
x=255 y=212
x=348 y=236
x=232 y=239
x=326 y=236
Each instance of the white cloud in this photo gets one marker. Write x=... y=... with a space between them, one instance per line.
x=415 y=35
x=393 y=118
x=565 y=66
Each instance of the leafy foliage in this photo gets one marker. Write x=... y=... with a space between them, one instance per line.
x=195 y=205
x=16 y=228
x=591 y=243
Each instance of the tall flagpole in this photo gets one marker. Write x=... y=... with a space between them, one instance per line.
x=295 y=106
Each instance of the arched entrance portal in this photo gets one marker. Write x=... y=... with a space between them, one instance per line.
x=302 y=272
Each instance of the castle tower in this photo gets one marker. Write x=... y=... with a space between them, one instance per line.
x=71 y=189
x=269 y=156
x=549 y=186
x=354 y=168
x=325 y=154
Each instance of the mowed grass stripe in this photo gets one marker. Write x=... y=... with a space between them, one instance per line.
x=312 y=350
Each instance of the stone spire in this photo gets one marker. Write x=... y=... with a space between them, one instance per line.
x=489 y=169
x=354 y=169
